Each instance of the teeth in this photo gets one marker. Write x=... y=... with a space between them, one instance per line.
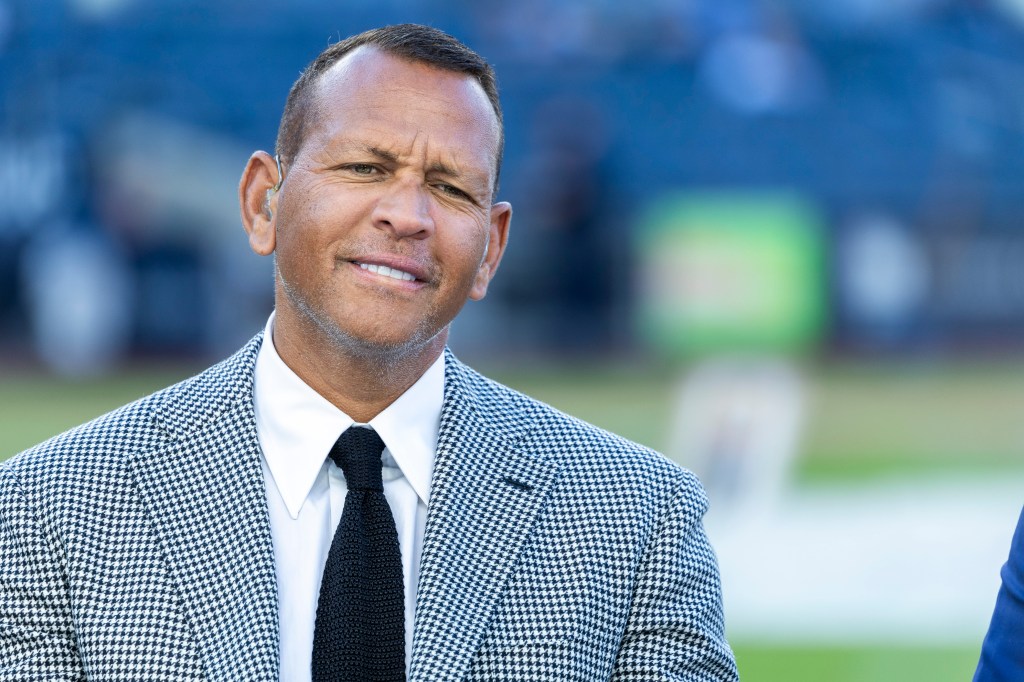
x=387 y=272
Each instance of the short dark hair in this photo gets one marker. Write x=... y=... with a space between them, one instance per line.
x=413 y=42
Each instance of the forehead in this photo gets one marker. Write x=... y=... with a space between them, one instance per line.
x=371 y=90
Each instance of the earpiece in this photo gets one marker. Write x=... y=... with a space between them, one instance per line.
x=270 y=192
x=266 y=204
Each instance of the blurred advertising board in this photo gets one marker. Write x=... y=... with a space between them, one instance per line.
x=731 y=271
x=904 y=286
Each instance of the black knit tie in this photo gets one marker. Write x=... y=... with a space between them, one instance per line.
x=360 y=618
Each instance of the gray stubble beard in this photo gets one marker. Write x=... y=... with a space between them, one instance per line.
x=382 y=359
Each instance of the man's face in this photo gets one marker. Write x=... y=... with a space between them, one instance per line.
x=384 y=225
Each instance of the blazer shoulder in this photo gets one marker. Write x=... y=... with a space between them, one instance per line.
x=580 y=448
x=137 y=427
x=102 y=436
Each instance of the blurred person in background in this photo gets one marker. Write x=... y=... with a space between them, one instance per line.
x=1002 y=653
x=342 y=498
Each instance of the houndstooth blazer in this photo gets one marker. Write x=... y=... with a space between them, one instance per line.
x=138 y=547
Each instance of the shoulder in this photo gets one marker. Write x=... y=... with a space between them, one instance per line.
x=85 y=454
x=1001 y=657
x=588 y=456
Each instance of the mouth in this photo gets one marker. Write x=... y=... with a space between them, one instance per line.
x=385 y=271
x=393 y=271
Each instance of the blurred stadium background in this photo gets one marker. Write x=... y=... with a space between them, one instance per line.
x=780 y=241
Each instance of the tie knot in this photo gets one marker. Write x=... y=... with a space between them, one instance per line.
x=358 y=452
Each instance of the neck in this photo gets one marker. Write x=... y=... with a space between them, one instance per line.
x=360 y=380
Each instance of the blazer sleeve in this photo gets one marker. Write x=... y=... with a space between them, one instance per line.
x=37 y=641
x=676 y=628
x=1002 y=653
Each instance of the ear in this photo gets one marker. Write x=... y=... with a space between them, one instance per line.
x=501 y=217
x=258 y=202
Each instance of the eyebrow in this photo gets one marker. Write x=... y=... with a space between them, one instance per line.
x=379 y=153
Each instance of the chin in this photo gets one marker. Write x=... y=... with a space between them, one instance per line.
x=384 y=343
x=388 y=347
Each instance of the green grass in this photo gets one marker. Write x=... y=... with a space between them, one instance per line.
x=35 y=407
x=959 y=418
x=863 y=421
x=762 y=663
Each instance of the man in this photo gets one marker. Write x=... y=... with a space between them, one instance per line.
x=204 y=531
x=1002 y=653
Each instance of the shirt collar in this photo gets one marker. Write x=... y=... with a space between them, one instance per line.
x=297 y=426
x=410 y=425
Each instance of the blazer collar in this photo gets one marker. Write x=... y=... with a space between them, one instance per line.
x=486 y=493
x=203 y=487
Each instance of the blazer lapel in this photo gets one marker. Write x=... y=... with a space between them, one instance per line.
x=205 y=492
x=484 y=499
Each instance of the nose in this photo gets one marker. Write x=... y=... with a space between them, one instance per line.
x=404 y=209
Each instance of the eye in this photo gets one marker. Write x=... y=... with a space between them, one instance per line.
x=452 y=191
x=361 y=168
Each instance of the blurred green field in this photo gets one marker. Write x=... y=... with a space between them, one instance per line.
x=864 y=422
x=35 y=407
x=781 y=663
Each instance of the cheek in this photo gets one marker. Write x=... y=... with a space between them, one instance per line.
x=299 y=254
x=471 y=256
x=305 y=230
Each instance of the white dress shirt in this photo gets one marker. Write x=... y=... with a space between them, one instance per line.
x=306 y=490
